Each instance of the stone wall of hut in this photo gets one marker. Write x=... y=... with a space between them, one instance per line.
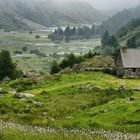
x=132 y=72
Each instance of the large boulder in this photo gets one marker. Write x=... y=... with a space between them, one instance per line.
x=23 y=95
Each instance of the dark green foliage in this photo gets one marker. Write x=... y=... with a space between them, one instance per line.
x=36 y=52
x=24 y=49
x=70 y=60
x=90 y=54
x=17 y=52
x=131 y=43
x=72 y=33
x=7 y=67
x=109 y=43
x=93 y=30
x=108 y=40
x=105 y=39
x=114 y=23
x=37 y=36
x=67 y=32
x=133 y=24
x=54 y=68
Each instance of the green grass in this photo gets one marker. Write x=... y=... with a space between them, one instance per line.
x=15 y=41
x=13 y=134
x=66 y=105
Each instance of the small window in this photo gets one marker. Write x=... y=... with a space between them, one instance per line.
x=134 y=69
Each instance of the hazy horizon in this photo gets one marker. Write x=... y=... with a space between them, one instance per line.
x=108 y=5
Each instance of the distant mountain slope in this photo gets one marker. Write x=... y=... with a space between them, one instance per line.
x=13 y=13
x=119 y=20
x=132 y=29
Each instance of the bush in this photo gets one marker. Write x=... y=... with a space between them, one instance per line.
x=17 y=52
x=7 y=67
x=37 y=36
x=24 y=49
x=71 y=60
x=36 y=52
x=54 y=68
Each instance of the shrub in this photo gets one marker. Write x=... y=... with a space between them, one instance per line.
x=70 y=60
x=54 y=68
x=37 y=36
x=17 y=52
x=7 y=67
x=24 y=49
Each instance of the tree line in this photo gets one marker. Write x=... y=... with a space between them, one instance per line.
x=72 y=33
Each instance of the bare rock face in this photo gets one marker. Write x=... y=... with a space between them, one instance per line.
x=23 y=95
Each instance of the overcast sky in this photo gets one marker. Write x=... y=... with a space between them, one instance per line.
x=108 y=4
x=114 y=4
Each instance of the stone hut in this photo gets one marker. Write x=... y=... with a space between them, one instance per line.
x=128 y=63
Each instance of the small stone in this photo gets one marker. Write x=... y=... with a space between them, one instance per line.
x=135 y=89
x=132 y=99
x=43 y=92
x=2 y=91
x=23 y=95
x=103 y=111
x=38 y=104
x=45 y=113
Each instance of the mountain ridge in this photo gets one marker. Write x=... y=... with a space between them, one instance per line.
x=47 y=13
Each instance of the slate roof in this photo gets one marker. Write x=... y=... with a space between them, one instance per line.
x=130 y=58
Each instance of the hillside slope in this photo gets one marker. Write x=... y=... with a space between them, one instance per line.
x=46 y=13
x=84 y=100
x=132 y=29
x=119 y=20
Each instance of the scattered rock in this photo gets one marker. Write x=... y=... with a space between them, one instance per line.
x=103 y=111
x=68 y=117
x=122 y=88
x=3 y=91
x=89 y=86
x=52 y=119
x=138 y=110
x=86 y=86
x=45 y=113
x=132 y=99
x=97 y=88
x=23 y=95
x=6 y=79
x=38 y=104
x=135 y=89
x=43 y=92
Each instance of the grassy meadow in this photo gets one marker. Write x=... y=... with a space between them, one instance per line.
x=15 y=41
x=82 y=106
x=85 y=100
